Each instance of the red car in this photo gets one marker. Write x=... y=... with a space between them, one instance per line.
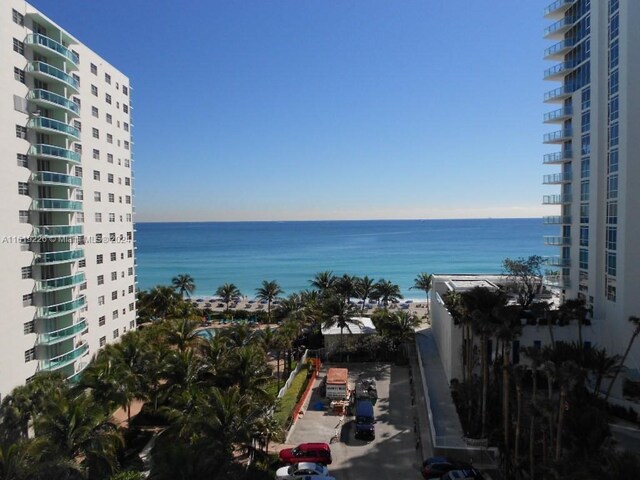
x=307 y=452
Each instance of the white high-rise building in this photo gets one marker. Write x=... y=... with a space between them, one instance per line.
x=67 y=284
x=596 y=55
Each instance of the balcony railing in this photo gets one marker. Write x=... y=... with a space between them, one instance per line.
x=63 y=334
x=54 y=204
x=559 y=27
x=560 y=48
x=51 y=125
x=47 y=97
x=559 y=93
x=557 y=241
x=562 y=281
x=58 y=230
x=80 y=367
x=558 y=136
x=52 y=311
x=52 y=72
x=556 y=199
x=52 y=45
x=65 y=359
x=558 y=157
x=60 y=282
x=59 y=257
x=52 y=151
x=559 y=6
x=558 y=115
x=559 y=70
x=557 y=262
x=557 y=178
x=54 y=178
x=556 y=220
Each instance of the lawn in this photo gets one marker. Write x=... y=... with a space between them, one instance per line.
x=289 y=400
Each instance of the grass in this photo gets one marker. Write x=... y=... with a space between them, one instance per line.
x=289 y=400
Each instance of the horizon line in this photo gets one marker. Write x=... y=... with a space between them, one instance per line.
x=342 y=220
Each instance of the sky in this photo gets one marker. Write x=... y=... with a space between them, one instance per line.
x=328 y=109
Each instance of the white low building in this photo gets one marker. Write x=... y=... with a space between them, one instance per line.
x=360 y=326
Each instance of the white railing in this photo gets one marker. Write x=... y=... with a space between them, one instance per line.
x=301 y=364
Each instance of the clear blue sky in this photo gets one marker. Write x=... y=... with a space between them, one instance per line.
x=328 y=109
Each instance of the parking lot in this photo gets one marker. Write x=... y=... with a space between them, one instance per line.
x=392 y=455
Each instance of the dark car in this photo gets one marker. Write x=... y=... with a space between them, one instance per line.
x=435 y=467
x=464 y=474
x=307 y=452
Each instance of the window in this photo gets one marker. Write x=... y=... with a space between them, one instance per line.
x=131 y=307
x=114 y=276
x=103 y=341
x=112 y=198
x=126 y=145
x=584 y=236
x=95 y=132
x=101 y=300
x=23 y=188
x=114 y=295
x=26 y=272
x=110 y=157
x=613 y=82
x=98 y=238
x=584 y=259
x=78 y=171
x=77 y=101
x=127 y=181
x=77 y=148
x=116 y=332
x=76 y=78
x=612 y=186
x=614 y=54
x=129 y=217
x=113 y=256
x=23 y=160
x=130 y=271
x=584 y=213
x=125 y=125
x=125 y=90
x=77 y=125
x=94 y=69
x=96 y=153
x=18 y=74
x=586 y=144
x=94 y=111
x=126 y=162
x=94 y=90
x=129 y=253
x=112 y=217
x=612 y=238
x=586 y=121
x=127 y=199
x=97 y=196
x=21 y=132
x=584 y=191
x=129 y=235
x=613 y=134
x=98 y=217
x=102 y=320
x=82 y=263
x=109 y=118
x=611 y=263
x=100 y=279
x=29 y=355
x=114 y=314
x=80 y=195
x=18 y=46
x=107 y=98
x=131 y=323
x=27 y=300
x=18 y=18
x=130 y=288
x=109 y=138
x=107 y=78
x=125 y=108
x=23 y=216
x=611 y=293
x=99 y=259
x=29 y=327
x=110 y=177
x=96 y=175
x=614 y=108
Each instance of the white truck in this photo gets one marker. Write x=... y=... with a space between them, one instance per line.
x=337 y=384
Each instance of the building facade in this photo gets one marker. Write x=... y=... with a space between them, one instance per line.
x=67 y=285
x=596 y=55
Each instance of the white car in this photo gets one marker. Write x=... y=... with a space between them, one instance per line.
x=303 y=471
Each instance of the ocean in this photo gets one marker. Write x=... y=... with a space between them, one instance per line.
x=246 y=253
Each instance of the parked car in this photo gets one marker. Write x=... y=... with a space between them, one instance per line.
x=464 y=474
x=307 y=452
x=299 y=471
x=365 y=420
x=436 y=467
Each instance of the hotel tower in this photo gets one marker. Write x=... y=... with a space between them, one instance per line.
x=595 y=110
x=67 y=283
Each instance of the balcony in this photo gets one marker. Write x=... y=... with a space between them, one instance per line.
x=57 y=336
x=79 y=369
x=53 y=178
x=49 y=99
x=64 y=308
x=64 y=256
x=559 y=28
x=559 y=136
x=46 y=45
x=556 y=199
x=560 y=281
x=560 y=49
x=559 y=95
x=49 y=125
x=52 y=151
x=559 y=115
x=557 y=262
x=59 y=283
x=556 y=220
x=557 y=241
x=557 y=178
x=46 y=73
x=558 y=8
x=54 y=231
x=65 y=359
x=558 y=157
x=558 y=71
x=56 y=205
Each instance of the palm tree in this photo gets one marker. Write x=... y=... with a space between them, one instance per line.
x=269 y=292
x=635 y=322
x=423 y=282
x=577 y=310
x=323 y=282
x=184 y=283
x=181 y=334
x=339 y=314
x=364 y=287
x=602 y=366
x=161 y=301
x=387 y=291
x=345 y=286
x=228 y=293
x=568 y=375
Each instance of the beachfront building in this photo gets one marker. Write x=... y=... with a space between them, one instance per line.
x=67 y=285
x=596 y=60
x=354 y=332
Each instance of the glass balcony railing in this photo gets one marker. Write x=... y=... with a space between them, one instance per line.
x=63 y=334
x=52 y=72
x=65 y=359
x=559 y=114
x=38 y=39
x=557 y=178
x=556 y=199
x=559 y=27
x=47 y=97
x=557 y=262
x=558 y=6
x=559 y=93
x=61 y=282
x=557 y=241
x=51 y=151
x=46 y=204
x=560 y=48
x=556 y=220
x=558 y=157
x=559 y=69
x=49 y=124
x=59 y=257
x=558 y=136
x=58 y=230
x=80 y=367
x=562 y=281
x=55 y=178
x=52 y=311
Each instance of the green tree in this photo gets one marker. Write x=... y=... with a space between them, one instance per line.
x=364 y=287
x=387 y=291
x=269 y=292
x=339 y=314
x=423 y=282
x=345 y=286
x=228 y=293
x=323 y=282
x=526 y=275
x=184 y=283
x=159 y=302
x=635 y=321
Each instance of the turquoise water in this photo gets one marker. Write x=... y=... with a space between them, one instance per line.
x=246 y=253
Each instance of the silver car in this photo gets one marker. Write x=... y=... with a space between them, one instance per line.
x=303 y=471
